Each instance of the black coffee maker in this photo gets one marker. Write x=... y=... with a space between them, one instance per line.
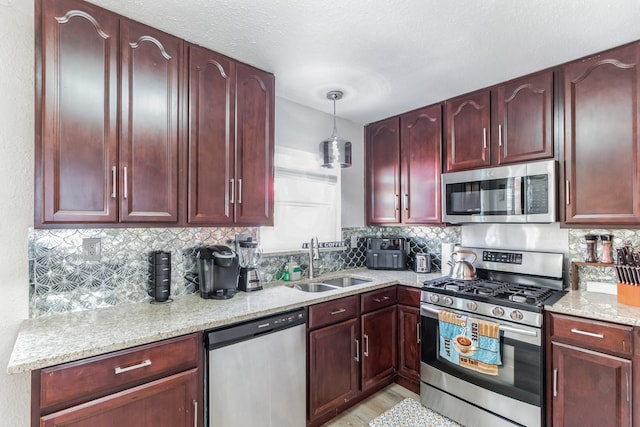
x=218 y=268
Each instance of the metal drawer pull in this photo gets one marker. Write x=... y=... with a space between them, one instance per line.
x=113 y=182
x=126 y=190
x=589 y=334
x=142 y=364
x=342 y=310
x=366 y=345
x=195 y=413
x=240 y=190
x=381 y=299
x=233 y=190
x=555 y=382
x=357 y=351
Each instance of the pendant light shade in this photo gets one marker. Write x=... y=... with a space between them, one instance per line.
x=335 y=150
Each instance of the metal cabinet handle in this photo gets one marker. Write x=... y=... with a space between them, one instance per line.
x=366 y=345
x=484 y=138
x=126 y=190
x=555 y=382
x=418 y=333
x=567 y=192
x=232 y=182
x=342 y=310
x=357 y=350
x=240 y=190
x=500 y=135
x=628 y=388
x=396 y=202
x=142 y=364
x=406 y=202
x=381 y=299
x=589 y=334
x=114 y=172
x=195 y=413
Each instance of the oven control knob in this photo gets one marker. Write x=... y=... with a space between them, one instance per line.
x=516 y=315
x=434 y=298
x=472 y=306
x=497 y=311
x=448 y=301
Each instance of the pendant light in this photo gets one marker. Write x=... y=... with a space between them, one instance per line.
x=335 y=150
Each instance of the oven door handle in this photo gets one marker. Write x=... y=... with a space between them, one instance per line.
x=504 y=328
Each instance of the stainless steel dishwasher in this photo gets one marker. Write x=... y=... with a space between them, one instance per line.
x=256 y=372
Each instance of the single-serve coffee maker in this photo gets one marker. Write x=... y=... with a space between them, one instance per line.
x=250 y=253
x=218 y=268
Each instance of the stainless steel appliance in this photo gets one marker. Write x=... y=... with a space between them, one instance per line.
x=517 y=193
x=218 y=268
x=511 y=290
x=256 y=373
x=386 y=253
x=422 y=263
x=249 y=253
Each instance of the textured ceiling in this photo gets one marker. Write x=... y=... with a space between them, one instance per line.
x=391 y=56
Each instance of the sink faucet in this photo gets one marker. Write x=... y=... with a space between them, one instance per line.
x=314 y=254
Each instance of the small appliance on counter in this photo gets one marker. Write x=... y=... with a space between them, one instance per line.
x=249 y=253
x=218 y=268
x=159 y=282
x=386 y=253
x=422 y=263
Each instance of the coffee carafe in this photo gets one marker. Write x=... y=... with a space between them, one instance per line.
x=249 y=252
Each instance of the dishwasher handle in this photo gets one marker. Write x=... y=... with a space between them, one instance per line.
x=239 y=332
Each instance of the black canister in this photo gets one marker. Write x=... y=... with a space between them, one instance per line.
x=159 y=284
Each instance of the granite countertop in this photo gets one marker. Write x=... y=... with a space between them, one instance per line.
x=598 y=306
x=56 y=339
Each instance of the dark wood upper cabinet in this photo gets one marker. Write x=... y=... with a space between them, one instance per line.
x=151 y=73
x=468 y=120
x=255 y=104
x=523 y=125
x=211 y=137
x=382 y=175
x=76 y=101
x=420 y=148
x=602 y=153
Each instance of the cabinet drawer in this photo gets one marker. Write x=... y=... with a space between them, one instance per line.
x=105 y=374
x=378 y=299
x=334 y=311
x=594 y=334
x=409 y=296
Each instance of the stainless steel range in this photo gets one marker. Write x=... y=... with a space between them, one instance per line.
x=510 y=293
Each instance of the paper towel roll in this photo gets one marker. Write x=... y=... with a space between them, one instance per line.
x=445 y=256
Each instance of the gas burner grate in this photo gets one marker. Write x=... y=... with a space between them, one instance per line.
x=527 y=294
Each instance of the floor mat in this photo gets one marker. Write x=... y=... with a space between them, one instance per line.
x=410 y=413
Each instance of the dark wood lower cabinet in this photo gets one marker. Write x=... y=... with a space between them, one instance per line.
x=379 y=356
x=167 y=402
x=590 y=388
x=409 y=347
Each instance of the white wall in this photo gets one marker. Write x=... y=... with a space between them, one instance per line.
x=303 y=128
x=16 y=194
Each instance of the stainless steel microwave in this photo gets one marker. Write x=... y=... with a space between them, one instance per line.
x=505 y=194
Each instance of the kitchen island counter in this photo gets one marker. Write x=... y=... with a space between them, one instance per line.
x=597 y=306
x=56 y=339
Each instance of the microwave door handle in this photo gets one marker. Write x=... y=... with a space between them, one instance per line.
x=517 y=195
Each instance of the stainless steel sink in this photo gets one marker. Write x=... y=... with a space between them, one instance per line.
x=315 y=287
x=343 y=282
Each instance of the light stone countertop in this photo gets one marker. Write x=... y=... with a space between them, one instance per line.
x=598 y=306
x=56 y=339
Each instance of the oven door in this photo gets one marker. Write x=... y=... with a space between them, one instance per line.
x=515 y=393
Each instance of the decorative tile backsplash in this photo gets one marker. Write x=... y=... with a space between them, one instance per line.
x=61 y=280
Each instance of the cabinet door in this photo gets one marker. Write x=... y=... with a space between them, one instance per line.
x=421 y=139
x=409 y=342
x=76 y=145
x=149 y=138
x=254 y=146
x=211 y=145
x=379 y=356
x=590 y=388
x=382 y=172
x=524 y=119
x=467 y=137
x=602 y=155
x=333 y=367
x=168 y=402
